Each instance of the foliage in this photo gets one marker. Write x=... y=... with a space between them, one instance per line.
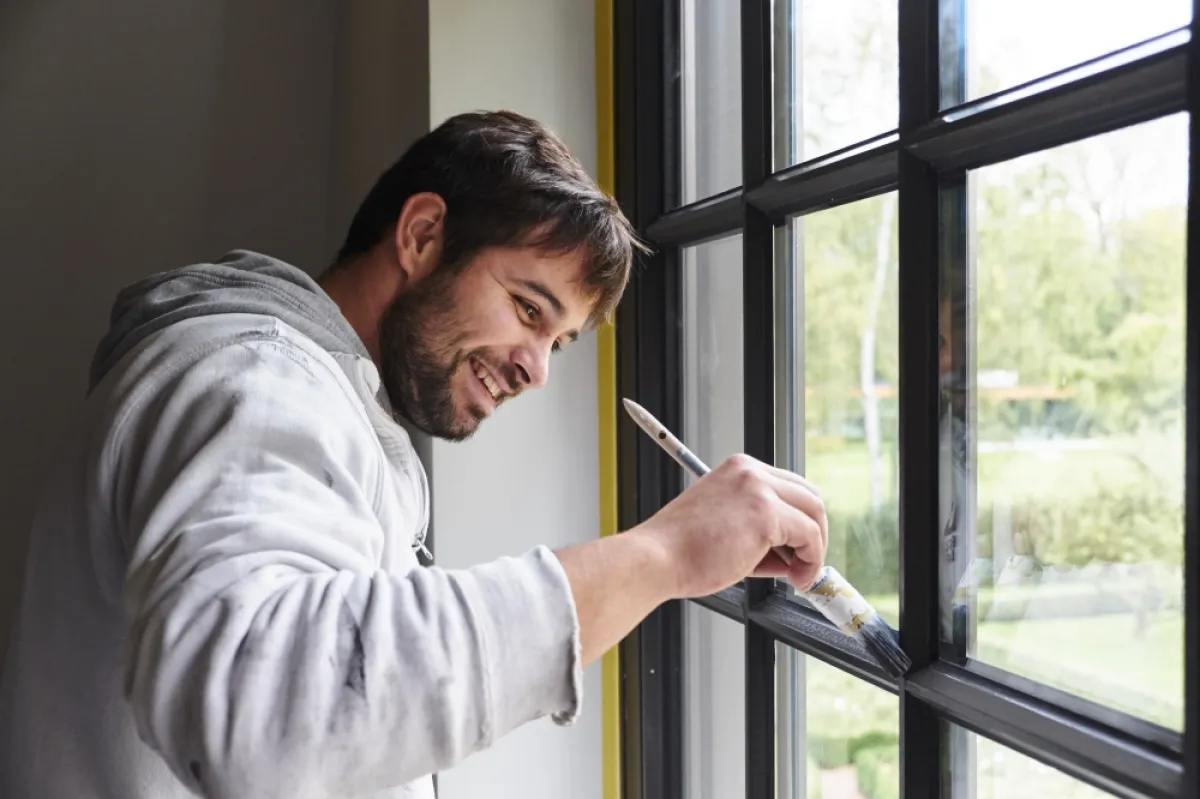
x=878 y=771
x=1122 y=523
x=812 y=783
x=1119 y=524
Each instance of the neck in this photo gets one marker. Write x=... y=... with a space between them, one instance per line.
x=363 y=288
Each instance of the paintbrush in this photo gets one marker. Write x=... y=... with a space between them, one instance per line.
x=831 y=594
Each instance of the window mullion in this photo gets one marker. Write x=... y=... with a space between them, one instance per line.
x=758 y=343
x=920 y=732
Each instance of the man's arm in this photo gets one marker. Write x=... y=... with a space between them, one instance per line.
x=267 y=654
x=616 y=582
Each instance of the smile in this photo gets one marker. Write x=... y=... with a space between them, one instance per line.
x=487 y=380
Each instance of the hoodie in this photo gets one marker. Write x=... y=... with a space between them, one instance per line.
x=221 y=595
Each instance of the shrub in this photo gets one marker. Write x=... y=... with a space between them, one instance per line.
x=1137 y=522
x=812 y=779
x=878 y=771
x=832 y=752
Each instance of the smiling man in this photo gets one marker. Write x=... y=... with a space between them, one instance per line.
x=222 y=596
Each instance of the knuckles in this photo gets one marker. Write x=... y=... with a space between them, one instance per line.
x=741 y=463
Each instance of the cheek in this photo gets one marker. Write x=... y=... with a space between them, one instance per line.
x=495 y=329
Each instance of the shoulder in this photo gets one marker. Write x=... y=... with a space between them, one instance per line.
x=248 y=386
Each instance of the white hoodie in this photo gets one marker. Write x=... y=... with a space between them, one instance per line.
x=221 y=596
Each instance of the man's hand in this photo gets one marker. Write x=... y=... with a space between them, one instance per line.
x=718 y=531
x=724 y=526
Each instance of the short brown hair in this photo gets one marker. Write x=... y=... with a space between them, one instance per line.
x=507 y=180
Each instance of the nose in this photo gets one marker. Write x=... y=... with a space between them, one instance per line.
x=532 y=366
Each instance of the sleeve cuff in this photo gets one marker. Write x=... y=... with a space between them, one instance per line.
x=530 y=630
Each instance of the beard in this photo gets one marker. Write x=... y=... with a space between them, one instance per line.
x=421 y=339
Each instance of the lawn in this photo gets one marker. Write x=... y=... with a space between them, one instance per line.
x=841 y=469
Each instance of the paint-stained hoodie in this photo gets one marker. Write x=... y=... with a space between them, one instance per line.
x=222 y=597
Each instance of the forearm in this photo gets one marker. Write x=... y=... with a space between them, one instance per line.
x=616 y=582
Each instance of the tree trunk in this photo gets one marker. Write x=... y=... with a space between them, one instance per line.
x=866 y=356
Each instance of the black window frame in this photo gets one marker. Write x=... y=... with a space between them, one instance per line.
x=924 y=158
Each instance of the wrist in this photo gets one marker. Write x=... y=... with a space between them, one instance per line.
x=661 y=566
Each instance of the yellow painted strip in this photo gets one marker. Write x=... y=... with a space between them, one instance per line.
x=606 y=406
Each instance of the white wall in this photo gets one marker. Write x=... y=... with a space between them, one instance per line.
x=530 y=475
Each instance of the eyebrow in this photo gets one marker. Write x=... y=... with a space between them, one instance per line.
x=539 y=288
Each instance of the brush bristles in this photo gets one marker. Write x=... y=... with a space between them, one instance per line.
x=882 y=642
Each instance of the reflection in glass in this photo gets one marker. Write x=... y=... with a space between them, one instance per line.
x=836 y=75
x=842 y=734
x=850 y=367
x=1000 y=773
x=1007 y=44
x=710 y=98
x=713 y=388
x=714 y=705
x=1062 y=451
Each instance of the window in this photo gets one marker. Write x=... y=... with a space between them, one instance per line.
x=933 y=254
x=1065 y=411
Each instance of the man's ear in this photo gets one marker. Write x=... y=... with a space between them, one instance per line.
x=420 y=232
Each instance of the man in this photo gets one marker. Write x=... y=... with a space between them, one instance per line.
x=222 y=596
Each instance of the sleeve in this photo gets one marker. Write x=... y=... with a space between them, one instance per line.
x=268 y=656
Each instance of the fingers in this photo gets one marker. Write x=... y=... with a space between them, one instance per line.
x=772 y=566
x=784 y=474
x=808 y=540
x=803 y=574
x=801 y=497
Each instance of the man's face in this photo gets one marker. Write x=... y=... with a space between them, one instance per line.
x=459 y=343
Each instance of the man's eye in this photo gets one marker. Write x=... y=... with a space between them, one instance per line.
x=529 y=308
x=555 y=347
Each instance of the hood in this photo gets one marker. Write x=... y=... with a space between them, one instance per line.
x=240 y=282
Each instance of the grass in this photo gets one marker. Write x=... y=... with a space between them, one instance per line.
x=1099 y=658
x=841 y=469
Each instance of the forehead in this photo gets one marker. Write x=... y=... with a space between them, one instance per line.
x=558 y=275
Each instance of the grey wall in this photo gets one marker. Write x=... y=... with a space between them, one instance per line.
x=138 y=136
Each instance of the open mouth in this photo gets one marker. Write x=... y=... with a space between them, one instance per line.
x=488 y=381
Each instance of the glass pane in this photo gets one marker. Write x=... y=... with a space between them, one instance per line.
x=714 y=723
x=710 y=98
x=1062 y=460
x=839 y=735
x=712 y=349
x=1010 y=43
x=847 y=259
x=984 y=769
x=836 y=75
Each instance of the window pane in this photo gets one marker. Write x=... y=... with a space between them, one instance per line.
x=1062 y=461
x=835 y=75
x=841 y=734
x=1016 y=41
x=984 y=769
x=847 y=259
x=714 y=684
x=712 y=349
x=710 y=98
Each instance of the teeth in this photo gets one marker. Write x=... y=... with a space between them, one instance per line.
x=488 y=381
